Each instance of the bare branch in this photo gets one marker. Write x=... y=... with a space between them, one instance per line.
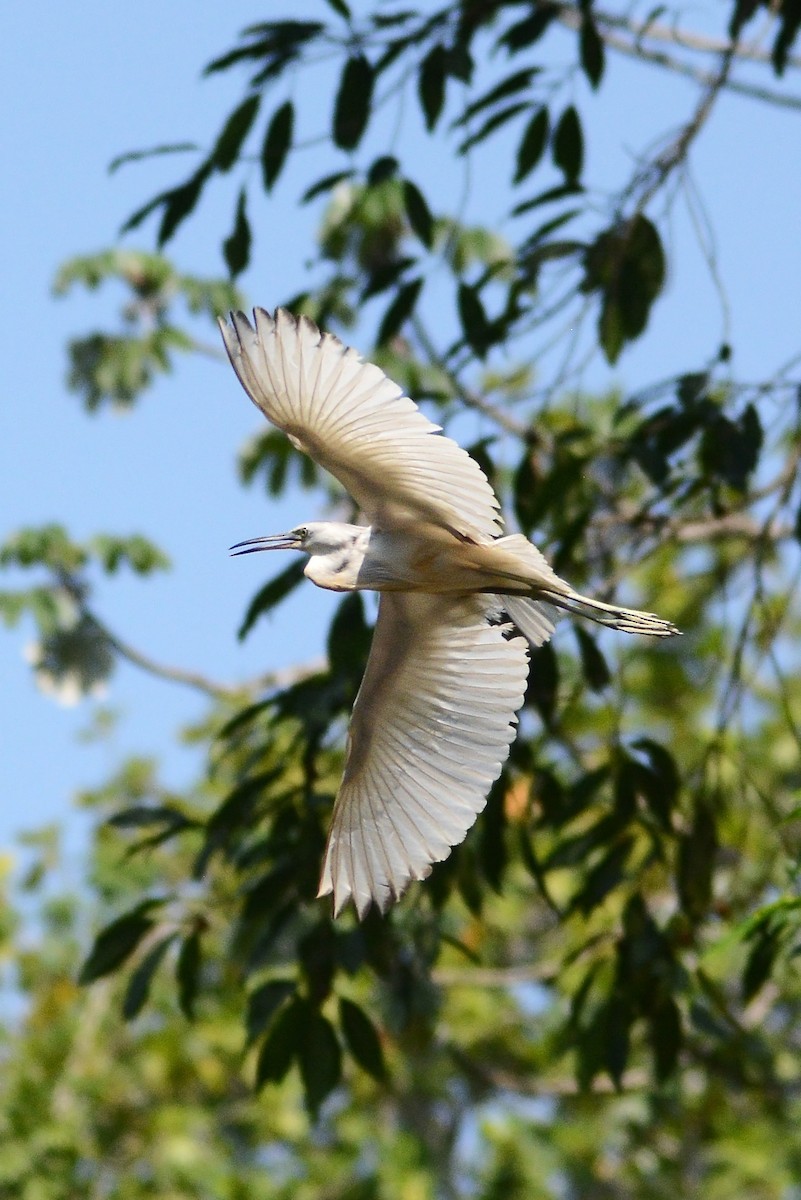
x=632 y=45
x=269 y=681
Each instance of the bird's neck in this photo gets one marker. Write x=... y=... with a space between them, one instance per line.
x=338 y=570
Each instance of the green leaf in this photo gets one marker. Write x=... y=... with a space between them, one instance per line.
x=491 y=124
x=431 y=84
x=591 y=49
x=140 y=816
x=663 y=767
x=275 y=43
x=353 y=101
x=549 y=196
x=283 y=1043
x=349 y=639
x=236 y=248
x=273 y=592
x=263 y=1004
x=697 y=853
x=385 y=276
x=615 y=1034
x=767 y=942
x=320 y=1060
x=117 y=942
x=362 y=1039
x=277 y=142
x=399 y=310
x=543 y=682
x=138 y=989
x=519 y=81
x=532 y=145
x=152 y=152
x=568 y=145
x=418 y=212
x=730 y=448
x=525 y=33
x=386 y=166
x=626 y=264
x=325 y=184
x=593 y=663
x=187 y=973
x=178 y=204
x=604 y=877
x=339 y=6
x=477 y=328
x=234 y=132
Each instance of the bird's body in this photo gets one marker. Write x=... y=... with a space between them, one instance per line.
x=435 y=714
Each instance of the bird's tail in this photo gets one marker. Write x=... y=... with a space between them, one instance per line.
x=535 y=616
x=628 y=620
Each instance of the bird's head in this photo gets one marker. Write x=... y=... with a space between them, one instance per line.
x=315 y=537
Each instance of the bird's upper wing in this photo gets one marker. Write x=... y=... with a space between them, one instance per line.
x=356 y=423
x=430 y=732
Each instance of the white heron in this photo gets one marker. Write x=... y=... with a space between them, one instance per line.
x=436 y=710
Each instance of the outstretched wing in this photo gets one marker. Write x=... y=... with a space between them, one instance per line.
x=430 y=731
x=356 y=423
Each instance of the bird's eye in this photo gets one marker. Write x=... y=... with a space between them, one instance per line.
x=302 y=533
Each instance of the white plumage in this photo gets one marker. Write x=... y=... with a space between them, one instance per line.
x=435 y=713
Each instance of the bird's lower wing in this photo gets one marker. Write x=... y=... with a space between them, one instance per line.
x=356 y=423
x=430 y=731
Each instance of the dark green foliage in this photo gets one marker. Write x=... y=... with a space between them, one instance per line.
x=277 y=143
x=236 y=247
x=361 y=1038
x=237 y=127
x=626 y=265
x=273 y=592
x=419 y=214
x=532 y=145
x=352 y=108
x=431 y=83
x=568 y=145
x=117 y=942
x=399 y=310
x=592 y=49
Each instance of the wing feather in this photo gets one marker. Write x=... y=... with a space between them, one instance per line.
x=356 y=423
x=430 y=731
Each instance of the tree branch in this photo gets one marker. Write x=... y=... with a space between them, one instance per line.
x=634 y=48
x=269 y=681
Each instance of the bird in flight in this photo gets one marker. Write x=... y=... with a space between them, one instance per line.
x=436 y=711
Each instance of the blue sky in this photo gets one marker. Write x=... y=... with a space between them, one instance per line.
x=92 y=80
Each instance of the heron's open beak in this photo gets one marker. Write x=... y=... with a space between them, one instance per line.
x=274 y=541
